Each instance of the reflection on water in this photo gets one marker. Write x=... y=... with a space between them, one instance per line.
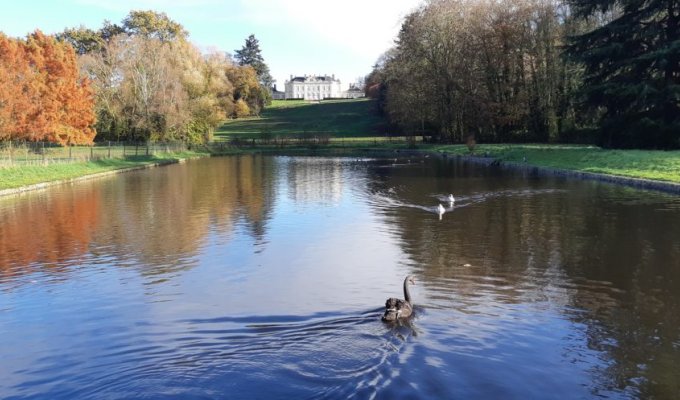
x=263 y=277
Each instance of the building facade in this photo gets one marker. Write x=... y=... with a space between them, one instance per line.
x=313 y=87
x=354 y=92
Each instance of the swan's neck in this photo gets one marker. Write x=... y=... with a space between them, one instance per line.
x=407 y=294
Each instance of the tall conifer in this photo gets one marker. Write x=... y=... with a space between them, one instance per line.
x=250 y=54
x=632 y=70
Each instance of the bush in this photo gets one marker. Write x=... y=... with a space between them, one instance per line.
x=241 y=109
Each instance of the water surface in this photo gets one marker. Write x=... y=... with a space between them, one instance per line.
x=263 y=277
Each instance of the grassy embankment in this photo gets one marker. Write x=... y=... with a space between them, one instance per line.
x=642 y=164
x=20 y=176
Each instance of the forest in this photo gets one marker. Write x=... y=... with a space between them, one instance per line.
x=603 y=72
x=139 y=80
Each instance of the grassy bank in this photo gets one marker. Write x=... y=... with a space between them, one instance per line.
x=287 y=119
x=642 y=164
x=20 y=176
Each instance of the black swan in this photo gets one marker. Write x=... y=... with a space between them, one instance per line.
x=398 y=308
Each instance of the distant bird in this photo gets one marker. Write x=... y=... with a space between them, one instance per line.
x=396 y=309
x=451 y=199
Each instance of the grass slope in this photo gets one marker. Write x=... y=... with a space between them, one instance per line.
x=285 y=119
x=644 y=164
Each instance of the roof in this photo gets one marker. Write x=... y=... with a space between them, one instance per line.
x=313 y=78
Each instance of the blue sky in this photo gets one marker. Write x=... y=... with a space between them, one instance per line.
x=341 y=37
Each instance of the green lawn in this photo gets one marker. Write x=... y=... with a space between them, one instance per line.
x=19 y=176
x=645 y=164
x=298 y=118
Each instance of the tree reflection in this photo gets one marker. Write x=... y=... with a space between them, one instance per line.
x=37 y=237
x=160 y=218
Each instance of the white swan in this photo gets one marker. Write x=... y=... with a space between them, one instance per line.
x=440 y=209
x=451 y=199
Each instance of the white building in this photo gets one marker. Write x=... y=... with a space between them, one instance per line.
x=313 y=87
x=354 y=92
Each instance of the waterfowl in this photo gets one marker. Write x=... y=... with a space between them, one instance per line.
x=451 y=199
x=396 y=309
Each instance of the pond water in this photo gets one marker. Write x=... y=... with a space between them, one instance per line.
x=264 y=277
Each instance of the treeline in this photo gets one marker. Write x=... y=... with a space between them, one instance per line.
x=138 y=80
x=605 y=72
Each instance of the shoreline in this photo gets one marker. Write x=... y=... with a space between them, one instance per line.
x=45 y=185
x=535 y=170
x=638 y=183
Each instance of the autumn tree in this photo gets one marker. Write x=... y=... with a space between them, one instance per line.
x=43 y=96
x=64 y=111
x=247 y=89
x=210 y=92
x=152 y=84
x=152 y=24
x=14 y=77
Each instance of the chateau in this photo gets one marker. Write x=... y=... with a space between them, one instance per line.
x=316 y=87
x=311 y=87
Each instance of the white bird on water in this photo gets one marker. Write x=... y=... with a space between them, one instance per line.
x=440 y=210
x=451 y=198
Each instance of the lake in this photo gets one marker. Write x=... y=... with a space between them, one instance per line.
x=258 y=277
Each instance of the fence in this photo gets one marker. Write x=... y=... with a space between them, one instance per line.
x=320 y=141
x=43 y=153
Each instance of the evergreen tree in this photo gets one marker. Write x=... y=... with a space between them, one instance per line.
x=632 y=70
x=250 y=54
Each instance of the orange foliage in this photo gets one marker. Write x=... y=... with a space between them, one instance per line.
x=14 y=73
x=43 y=231
x=42 y=96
